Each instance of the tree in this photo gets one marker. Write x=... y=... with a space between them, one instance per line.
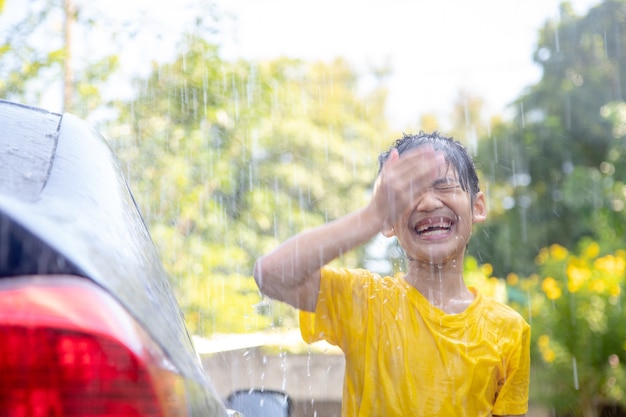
x=553 y=163
x=57 y=75
x=20 y=59
x=229 y=158
x=36 y=75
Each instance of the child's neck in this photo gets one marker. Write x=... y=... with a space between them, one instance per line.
x=442 y=285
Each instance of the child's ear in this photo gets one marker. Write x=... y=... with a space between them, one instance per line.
x=479 y=209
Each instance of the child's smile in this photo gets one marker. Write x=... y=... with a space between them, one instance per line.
x=438 y=228
x=432 y=228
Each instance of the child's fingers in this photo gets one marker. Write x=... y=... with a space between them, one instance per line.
x=393 y=156
x=422 y=165
x=403 y=179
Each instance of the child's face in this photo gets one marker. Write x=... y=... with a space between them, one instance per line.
x=439 y=227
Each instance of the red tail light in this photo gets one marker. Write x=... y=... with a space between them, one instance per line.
x=68 y=349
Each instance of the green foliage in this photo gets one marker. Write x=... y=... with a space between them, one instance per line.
x=227 y=159
x=30 y=69
x=555 y=174
x=574 y=305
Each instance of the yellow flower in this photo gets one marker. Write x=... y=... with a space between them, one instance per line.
x=615 y=290
x=542 y=256
x=598 y=286
x=486 y=269
x=512 y=279
x=548 y=355
x=592 y=250
x=543 y=341
x=551 y=288
x=576 y=276
x=611 y=265
x=529 y=283
x=558 y=252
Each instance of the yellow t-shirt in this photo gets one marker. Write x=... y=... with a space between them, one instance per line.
x=405 y=357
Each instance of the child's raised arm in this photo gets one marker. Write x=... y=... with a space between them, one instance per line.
x=291 y=272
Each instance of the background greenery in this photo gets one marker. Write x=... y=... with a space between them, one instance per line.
x=226 y=159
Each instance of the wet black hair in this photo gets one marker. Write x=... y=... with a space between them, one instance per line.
x=454 y=153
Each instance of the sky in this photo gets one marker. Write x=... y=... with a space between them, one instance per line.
x=435 y=48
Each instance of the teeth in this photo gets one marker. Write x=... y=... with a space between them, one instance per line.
x=433 y=231
x=434 y=228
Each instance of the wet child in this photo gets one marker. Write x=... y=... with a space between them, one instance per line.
x=424 y=344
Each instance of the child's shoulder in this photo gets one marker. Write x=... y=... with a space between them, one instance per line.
x=500 y=312
x=364 y=277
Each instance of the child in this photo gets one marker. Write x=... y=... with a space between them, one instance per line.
x=424 y=344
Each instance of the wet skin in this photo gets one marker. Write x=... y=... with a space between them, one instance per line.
x=417 y=198
x=432 y=217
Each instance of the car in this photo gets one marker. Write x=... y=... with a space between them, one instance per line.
x=89 y=324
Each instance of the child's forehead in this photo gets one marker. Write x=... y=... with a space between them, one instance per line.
x=445 y=165
x=446 y=169
x=446 y=174
x=453 y=160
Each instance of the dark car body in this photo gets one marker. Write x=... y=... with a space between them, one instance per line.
x=89 y=324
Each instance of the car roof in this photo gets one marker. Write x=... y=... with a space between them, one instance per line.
x=29 y=140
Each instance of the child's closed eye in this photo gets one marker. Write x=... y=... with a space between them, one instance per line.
x=446 y=185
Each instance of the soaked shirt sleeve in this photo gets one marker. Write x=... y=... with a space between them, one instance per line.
x=336 y=316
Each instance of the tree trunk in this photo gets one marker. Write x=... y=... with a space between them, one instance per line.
x=68 y=73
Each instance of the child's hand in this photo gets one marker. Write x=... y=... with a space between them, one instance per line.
x=401 y=182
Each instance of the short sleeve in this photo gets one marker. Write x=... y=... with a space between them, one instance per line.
x=513 y=396
x=341 y=307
